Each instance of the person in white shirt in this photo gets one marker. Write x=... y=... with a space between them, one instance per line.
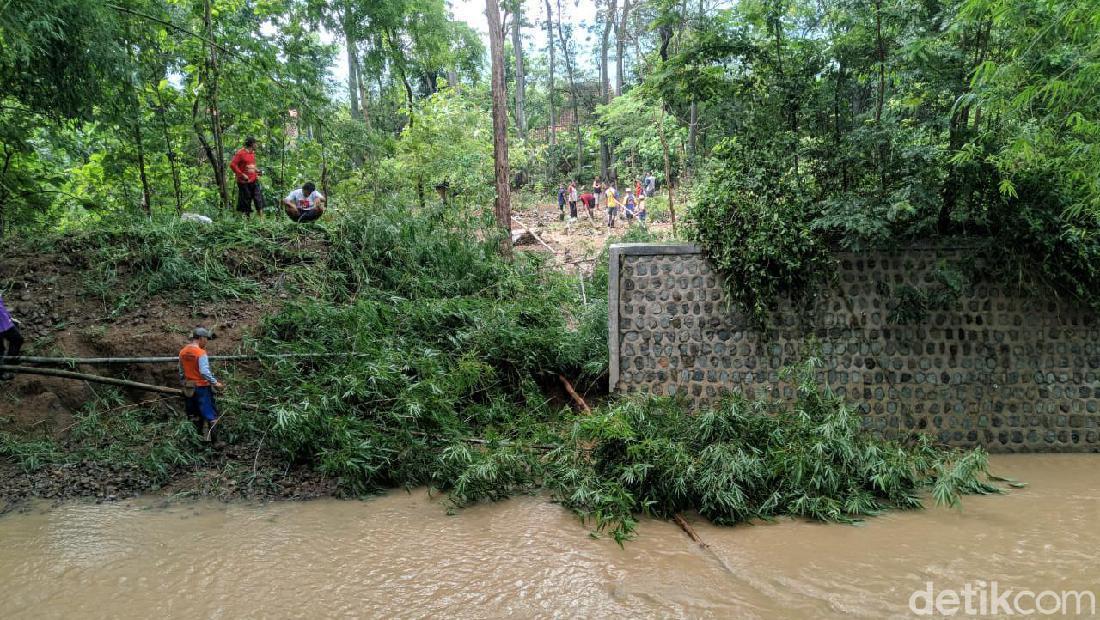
x=304 y=204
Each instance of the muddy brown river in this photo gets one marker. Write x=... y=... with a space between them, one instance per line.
x=402 y=556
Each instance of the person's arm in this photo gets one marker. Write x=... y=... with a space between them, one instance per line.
x=179 y=369
x=204 y=370
x=289 y=201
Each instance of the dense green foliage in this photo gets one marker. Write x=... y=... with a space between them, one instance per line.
x=453 y=382
x=808 y=125
x=753 y=226
x=742 y=460
x=452 y=342
x=873 y=124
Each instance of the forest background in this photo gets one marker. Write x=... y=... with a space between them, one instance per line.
x=790 y=126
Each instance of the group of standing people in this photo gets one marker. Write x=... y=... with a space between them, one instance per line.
x=304 y=204
x=630 y=204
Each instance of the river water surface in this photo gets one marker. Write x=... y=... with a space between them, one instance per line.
x=401 y=555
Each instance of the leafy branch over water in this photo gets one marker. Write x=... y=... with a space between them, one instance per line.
x=743 y=460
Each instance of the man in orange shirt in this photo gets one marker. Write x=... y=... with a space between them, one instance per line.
x=199 y=383
x=243 y=166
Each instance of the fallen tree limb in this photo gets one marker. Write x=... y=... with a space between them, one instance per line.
x=537 y=238
x=65 y=374
x=573 y=394
x=68 y=361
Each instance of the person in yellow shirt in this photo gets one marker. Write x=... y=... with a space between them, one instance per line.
x=612 y=204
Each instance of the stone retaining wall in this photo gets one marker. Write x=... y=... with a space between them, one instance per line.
x=1014 y=374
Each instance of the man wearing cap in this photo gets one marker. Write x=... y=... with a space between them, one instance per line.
x=199 y=383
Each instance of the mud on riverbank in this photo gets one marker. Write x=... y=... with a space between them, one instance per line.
x=228 y=474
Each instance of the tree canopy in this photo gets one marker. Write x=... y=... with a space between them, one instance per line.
x=862 y=124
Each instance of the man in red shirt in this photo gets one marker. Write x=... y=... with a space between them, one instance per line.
x=589 y=201
x=243 y=166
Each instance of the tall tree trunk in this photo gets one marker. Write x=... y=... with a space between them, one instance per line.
x=693 y=132
x=550 y=89
x=139 y=142
x=218 y=155
x=605 y=85
x=8 y=154
x=353 y=66
x=620 y=47
x=170 y=152
x=572 y=91
x=668 y=170
x=173 y=165
x=399 y=61
x=881 y=45
x=789 y=106
x=837 y=125
x=207 y=149
x=521 y=77
x=957 y=130
x=502 y=207
x=665 y=32
x=364 y=96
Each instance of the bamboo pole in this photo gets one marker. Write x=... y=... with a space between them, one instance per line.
x=65 y=374
x=537 y=238
x=65 y=361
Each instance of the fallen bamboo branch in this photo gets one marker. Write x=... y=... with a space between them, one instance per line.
x=537 y=238
x=573 y=394
x=65 y=374
x=68 y=361
x=690 y=531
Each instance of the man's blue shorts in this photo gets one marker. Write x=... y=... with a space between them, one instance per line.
x=202 y=404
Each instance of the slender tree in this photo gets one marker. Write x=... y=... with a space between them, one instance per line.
x=137 y=113
x=550 y=78
x=605 y=83
x=566 y=52
x=502 y=207
x=521 y=75
x=620 y=45
x=216 y=152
